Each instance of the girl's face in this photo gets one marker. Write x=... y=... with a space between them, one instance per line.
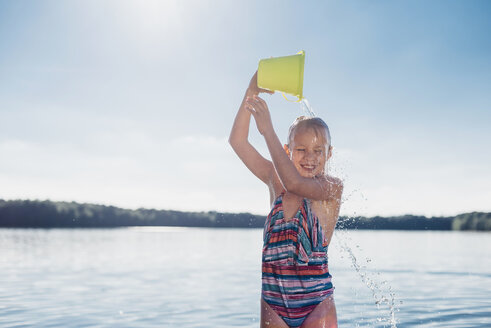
x=309 y=152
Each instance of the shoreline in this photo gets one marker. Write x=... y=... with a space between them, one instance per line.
x=49 y=214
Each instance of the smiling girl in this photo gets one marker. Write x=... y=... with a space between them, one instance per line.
x=305 y=202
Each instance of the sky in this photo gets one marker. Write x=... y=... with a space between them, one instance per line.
x=130 y=103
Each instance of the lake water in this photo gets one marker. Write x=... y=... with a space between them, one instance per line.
x=195 y=277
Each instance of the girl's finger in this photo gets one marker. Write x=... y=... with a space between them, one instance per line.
x=266 y=91
x=262 y=102
x=259 y=100
x=258 y=106
x=250 y=103
x=249 y=106
x=252 y=111
x=255 y=100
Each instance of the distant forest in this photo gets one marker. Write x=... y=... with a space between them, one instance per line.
x=48 y=214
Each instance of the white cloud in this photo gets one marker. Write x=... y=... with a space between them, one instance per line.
x=191 y=173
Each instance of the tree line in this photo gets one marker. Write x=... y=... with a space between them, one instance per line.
x=49 y=214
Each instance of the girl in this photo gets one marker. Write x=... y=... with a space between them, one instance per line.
x=296 y=284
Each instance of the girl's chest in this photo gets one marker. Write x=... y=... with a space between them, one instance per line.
x=291 y=204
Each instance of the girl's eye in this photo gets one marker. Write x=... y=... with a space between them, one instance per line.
x=300 y=149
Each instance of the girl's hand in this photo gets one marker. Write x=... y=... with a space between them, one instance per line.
x=253 y=89
x=259 y=109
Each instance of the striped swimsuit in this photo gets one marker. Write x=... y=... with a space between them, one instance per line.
x=295 y=275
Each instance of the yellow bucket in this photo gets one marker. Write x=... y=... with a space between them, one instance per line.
x=283 y=74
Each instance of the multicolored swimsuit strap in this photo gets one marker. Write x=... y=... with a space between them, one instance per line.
x=295 y=273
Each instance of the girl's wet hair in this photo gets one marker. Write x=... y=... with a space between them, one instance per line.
x=315 y=123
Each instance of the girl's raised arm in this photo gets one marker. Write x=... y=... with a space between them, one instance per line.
x=257 y=164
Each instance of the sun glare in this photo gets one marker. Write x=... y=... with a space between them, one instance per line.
x=151 y=20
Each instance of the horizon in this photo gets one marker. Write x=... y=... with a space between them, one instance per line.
x=130 y=104
x=211 y=211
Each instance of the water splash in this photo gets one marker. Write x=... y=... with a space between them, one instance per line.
x=307 y=108
x=383 y=295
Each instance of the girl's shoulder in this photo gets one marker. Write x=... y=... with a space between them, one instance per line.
x=337 y=187
x=334 y=180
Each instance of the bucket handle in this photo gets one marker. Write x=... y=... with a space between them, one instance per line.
x=293 y=101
